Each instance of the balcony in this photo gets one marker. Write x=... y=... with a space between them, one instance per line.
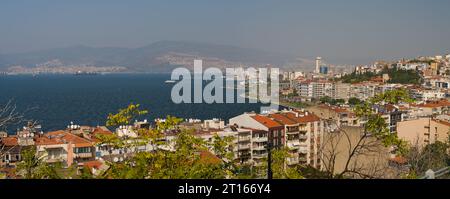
x=55 y=159
x=303 y=144
x=244 y=146
x=302 y=159
x=259 y=155
x=83 y=155
x=293 y=144
x=303 y=128
x=260 y=139
x=293 y=161
x=292 y=132
x=244 y=138
x=303 y=150
x=302 y=137
x=259 y=148
x=244 y=154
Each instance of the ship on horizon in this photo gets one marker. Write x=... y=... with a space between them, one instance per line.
x=85 y=73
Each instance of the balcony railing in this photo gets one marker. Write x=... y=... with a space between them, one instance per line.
x=303 y=128
x=292 y=132
x=302 y=137
x=244 y=155
x=260 y=139
x=54 y=159
x=259 y=148
x=293 y=144
x=293 y=161
x=244 y=146
x=83 y=155
x=244 y=138
x=264 y=155
x=303 y=150
x=302 y=159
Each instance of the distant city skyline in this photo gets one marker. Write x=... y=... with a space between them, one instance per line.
x=344 y=32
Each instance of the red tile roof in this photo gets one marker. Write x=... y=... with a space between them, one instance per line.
x=282 y=119
x=267 y=122
x=303 y=118
x=399 y=160
x=9 y=141
x=62 y=137
x=93 y=164
x=99 y=131
x=435 y=104
x=335 y=109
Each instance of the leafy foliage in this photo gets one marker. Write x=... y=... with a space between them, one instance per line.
x=433 y=156
x=399 y=76
x=185 y=161
x=354 y=101
x=329 y=100
x=34 y=167
x=279 y=165
x=356 y=78
x=376 y=125
x=125 y=116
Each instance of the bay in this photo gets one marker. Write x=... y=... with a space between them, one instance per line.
x=56 y=100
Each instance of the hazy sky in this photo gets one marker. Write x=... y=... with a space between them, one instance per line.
x=344 y=31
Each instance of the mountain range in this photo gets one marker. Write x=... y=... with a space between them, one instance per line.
x=160 y=56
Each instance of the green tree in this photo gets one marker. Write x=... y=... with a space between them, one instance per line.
x=375 y=136
x=433 y=156
x=396 y=76
x=186 y=157
x=354 y=101
x=34 y=167
x=125 y=116
x=280 y=169
x=326 y=100
x=310 y=172
x=339 y=101
x=85 y=173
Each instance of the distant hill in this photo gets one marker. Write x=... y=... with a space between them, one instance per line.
x=160 y=56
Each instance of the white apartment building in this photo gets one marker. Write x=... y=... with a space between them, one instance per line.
x=363 y=90
x=214 y=124
x=314 y=89
x=305 y=89
x=341 y=91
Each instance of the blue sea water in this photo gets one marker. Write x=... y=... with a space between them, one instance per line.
x=56 y=100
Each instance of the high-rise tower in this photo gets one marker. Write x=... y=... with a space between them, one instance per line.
x=318 y=60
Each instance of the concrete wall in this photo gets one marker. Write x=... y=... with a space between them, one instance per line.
x=417 y=131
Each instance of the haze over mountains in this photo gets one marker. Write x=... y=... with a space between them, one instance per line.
x=160 y=56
